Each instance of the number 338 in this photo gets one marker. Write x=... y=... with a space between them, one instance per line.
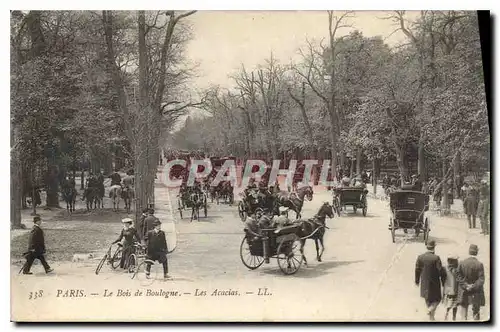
x=35 y=295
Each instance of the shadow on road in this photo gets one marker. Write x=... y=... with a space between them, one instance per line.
x=314 y=270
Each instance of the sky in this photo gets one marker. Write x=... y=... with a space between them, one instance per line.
x=223 y=40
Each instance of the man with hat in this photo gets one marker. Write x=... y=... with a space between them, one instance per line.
x=416 y=182
x=148 y=222
x=129 y=235
x=429 y=273
x=36 y=247
x=470 y=276
x=157 y=248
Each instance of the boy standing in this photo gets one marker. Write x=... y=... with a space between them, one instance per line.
x=157 y=248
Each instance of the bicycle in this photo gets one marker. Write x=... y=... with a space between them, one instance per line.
x=132 y=261
x=113 y=260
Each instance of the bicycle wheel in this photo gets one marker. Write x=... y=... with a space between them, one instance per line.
x=140 y=273
x=132 y=263
x=101 y=264
x=117 y=257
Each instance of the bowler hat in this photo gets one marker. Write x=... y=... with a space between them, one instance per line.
x=156 y=222
x=473 y=249
x=431 y=244
x=36 y=218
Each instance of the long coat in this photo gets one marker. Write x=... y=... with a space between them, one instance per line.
x=429 y=273
x=157 y=243
x=471 y=201
x=36 y=240
x=471 y=272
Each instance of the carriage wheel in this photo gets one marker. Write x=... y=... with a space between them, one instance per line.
x=426 y=231
x=289 y=256
x=393 y=231
x=117 y=257
x=101 y=264
x=249 y=260
x=336 y=207
x=241 y=211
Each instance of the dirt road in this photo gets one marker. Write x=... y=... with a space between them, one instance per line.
x=363 y=276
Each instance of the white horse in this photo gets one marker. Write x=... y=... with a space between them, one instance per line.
x=115 y=193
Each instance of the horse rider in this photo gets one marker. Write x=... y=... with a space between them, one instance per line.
x=116 y=179
x=71 y=181
x=128 y=182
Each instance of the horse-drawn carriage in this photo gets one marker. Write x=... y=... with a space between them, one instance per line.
x=192 y=199
x=282 y=244
x=285 y=243
x=408 y=211
x=251 y=200
x=355 y=197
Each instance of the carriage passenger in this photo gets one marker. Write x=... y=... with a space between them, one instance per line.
x=130 y=236
x=346 y=181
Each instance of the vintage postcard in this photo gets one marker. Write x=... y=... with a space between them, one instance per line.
x=250 y=166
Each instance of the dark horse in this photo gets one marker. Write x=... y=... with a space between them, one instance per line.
x=314 y=229
x=69 y=195
x=293 y=201
x=92 y=196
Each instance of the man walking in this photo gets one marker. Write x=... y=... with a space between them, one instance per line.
x=36 y=248
x=430 y=275
x=470 y=276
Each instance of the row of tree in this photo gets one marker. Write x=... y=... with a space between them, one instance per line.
x=354 y=97
x=92 y=89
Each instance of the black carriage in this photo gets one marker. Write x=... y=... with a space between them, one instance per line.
x=282 y=244
x=355 y=197
x=408 y=212
x=249 y=204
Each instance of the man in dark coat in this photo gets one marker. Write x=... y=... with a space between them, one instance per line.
x=36 y=248
x=148 y=222
x=429 y=273
x=470 y=276
x=157 y=249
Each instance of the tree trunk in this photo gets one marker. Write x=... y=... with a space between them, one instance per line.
x=421 y=161
x=446 y=202
x=400 y=158
x=456 y=175
x=374 y=175
x=52 y=187
x=16 y=192
x=358 y=160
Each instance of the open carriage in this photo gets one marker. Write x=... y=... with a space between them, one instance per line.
x=355 y=197
x=282 y=244
x=408 y=212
